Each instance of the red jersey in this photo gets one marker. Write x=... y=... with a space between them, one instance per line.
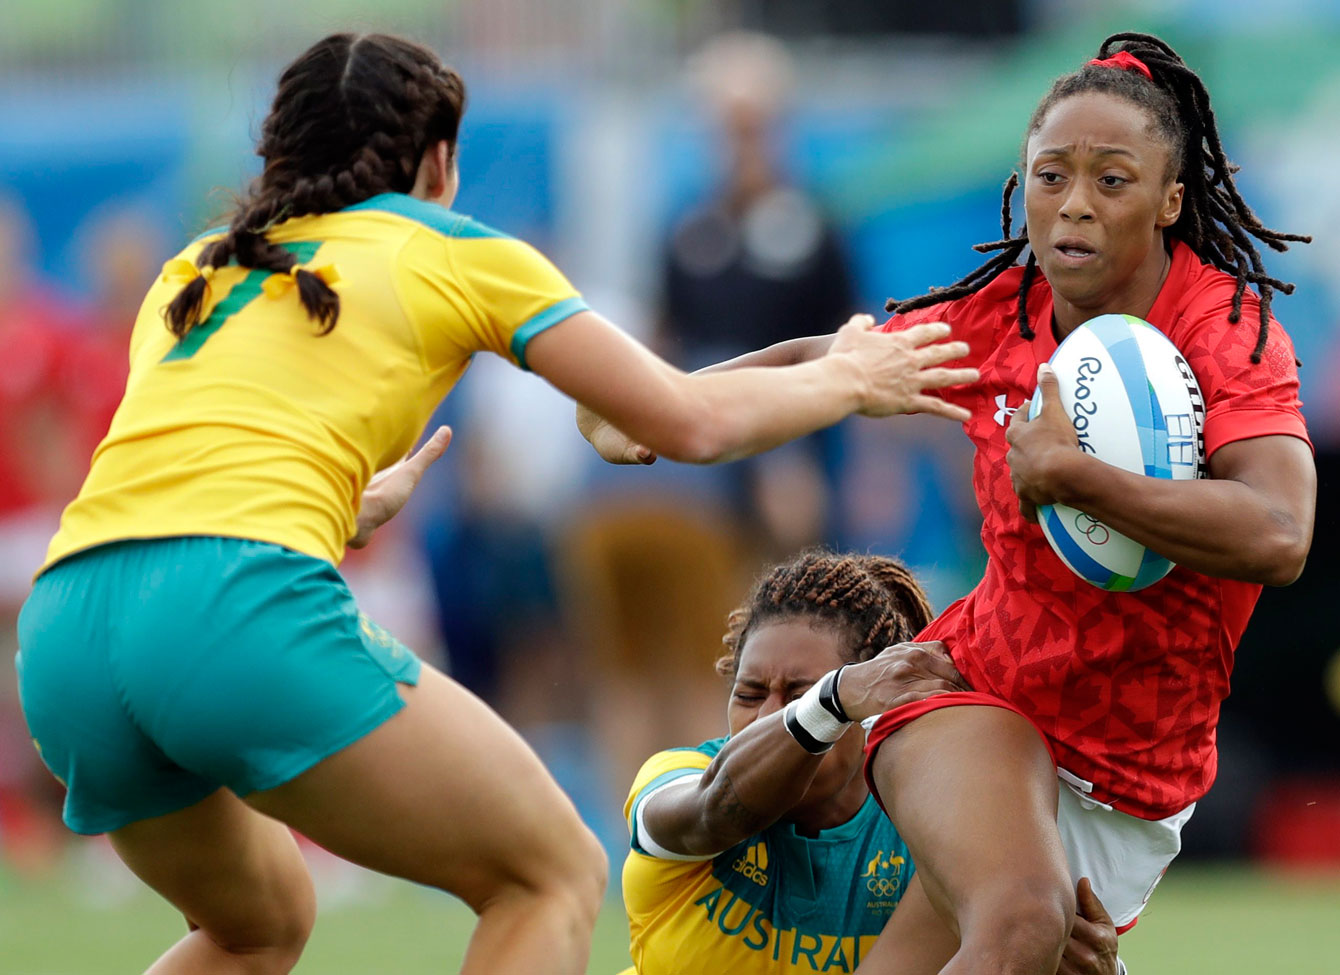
x=1126 y=686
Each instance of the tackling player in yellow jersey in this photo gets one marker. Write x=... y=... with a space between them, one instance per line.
x=763 y=853
x=191 y=664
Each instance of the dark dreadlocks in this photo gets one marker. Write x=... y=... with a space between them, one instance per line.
x=1215 y=221
x=873 y=600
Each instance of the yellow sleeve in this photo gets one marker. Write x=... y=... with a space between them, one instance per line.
x=478 y=290
x=661 y=769
x=651 y=884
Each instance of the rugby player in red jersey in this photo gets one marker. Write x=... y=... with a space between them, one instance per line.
x=1091 y=732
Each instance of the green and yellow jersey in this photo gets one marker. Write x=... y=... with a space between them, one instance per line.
x=253 y=426
x=776 y=903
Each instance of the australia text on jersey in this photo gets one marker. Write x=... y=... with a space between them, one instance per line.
x=737 y=918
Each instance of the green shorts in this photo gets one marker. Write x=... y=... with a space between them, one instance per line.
x=154 y=672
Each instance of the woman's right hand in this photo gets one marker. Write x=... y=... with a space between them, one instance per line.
x=900 y=674
x=899 y=367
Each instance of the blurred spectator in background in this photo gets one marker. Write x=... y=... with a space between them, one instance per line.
x=651 y=564
x=487 y=535
x=756 y=263
x=121 y=248
x=42 y=460
x=39 y=464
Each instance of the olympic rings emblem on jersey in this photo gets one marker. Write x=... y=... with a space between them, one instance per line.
x=883 y=886
x=1091 y=528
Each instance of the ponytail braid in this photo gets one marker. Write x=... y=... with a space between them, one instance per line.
x=351 y=119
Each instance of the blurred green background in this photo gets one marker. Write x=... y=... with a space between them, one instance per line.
x=1225 y=920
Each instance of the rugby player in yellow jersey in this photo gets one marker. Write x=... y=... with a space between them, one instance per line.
x=191 y=665
x=764 y=853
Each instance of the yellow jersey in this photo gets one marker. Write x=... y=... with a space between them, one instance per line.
x=777 y=903
x=254 y=426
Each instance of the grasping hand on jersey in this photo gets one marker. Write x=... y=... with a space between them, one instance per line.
x=1092 y=948
x=388 y=490
x=900 y=674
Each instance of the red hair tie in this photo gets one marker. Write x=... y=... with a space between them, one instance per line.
x=1123 y=61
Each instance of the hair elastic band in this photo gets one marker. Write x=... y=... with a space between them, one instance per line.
x=181 y=271
x=277 y=284
x=1122 y=61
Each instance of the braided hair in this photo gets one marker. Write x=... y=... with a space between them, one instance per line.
x=873 y=600
x=351 y=119
x=1215 y=221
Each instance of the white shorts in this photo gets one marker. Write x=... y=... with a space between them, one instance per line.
x=1123 y=857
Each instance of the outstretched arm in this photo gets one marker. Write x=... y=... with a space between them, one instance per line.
x=712 y=416
x=1250 y=520
x=616 y=447
x=763 y=771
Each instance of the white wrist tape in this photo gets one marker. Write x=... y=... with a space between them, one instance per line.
x=816 y=719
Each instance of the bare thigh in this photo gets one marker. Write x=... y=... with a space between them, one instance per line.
x=915 y=941
x=231 y=871
x=446 y=794
x=972 y=791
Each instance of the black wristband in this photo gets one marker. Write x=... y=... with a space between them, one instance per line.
x=828 y=694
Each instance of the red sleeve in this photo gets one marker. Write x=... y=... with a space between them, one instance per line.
x=1243 y=399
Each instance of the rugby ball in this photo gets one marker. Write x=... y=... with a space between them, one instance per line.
x=1135 y=404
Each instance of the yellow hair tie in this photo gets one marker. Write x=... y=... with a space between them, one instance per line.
x=181 y=271
x=278 y=284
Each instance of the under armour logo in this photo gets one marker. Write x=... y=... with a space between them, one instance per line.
x=1003 y=412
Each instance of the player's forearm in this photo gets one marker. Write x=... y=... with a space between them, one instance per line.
x=1222 y=528
x=788 y=353
x=760 y=774
x=750 y=410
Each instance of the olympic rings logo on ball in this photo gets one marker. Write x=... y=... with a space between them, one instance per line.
x=1091 y=528
x=883 y=886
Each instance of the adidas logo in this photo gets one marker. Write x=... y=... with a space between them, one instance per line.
x=754 y=863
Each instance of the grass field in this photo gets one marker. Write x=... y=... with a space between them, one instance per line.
x=1219 y=921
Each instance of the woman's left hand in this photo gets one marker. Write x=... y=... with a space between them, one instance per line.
x=1040 y=448
x=388 y=490
x=1092 y=948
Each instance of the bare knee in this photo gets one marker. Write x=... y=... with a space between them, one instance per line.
x=276 y=925
x=578 y=876
x=568 y=874
x=1020 y=927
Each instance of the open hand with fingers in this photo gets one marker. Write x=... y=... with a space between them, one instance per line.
x=388 y=490
x=902 y=368
x=1041 y=449
x=901 y=674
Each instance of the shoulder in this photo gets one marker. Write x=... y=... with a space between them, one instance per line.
x=1199 y=321
x=437 y=219
x=983 y=310
x=670 y=765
